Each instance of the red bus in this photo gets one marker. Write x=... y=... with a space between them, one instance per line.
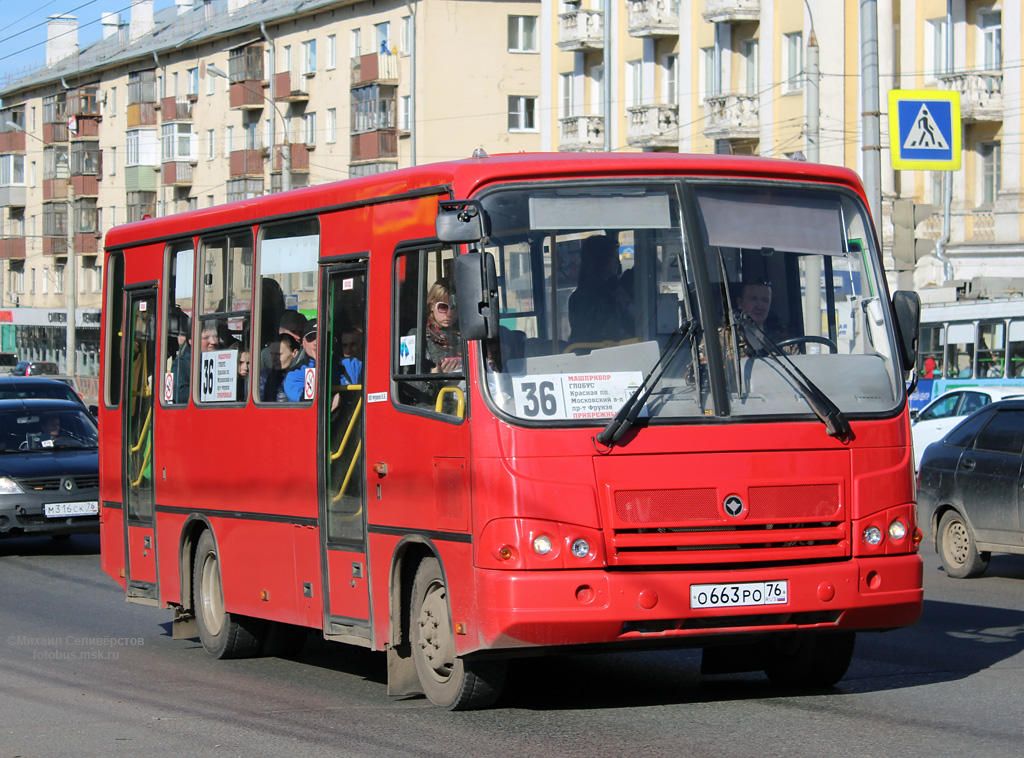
x=513 y=405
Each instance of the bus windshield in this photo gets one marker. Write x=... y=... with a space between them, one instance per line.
x=730 y=299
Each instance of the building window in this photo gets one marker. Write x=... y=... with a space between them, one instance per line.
x=794 y=61
x=309 y=57
x=113 y=162
x=522 y=34
x=382 y=33
x=991 y=24
x=140 y=205
x=566 y=95
x=332 y=51
x=749 y=48
x=634 y=83
x=113 y=100
x=12 y=169
x=193 y=82
x=522 y=113
x=406 y=36
x=141 y=148
x=710 y=80
x=309 y=128
x=332 y=125
x=991 y=172
x=373 y=108
x=356 y=43
x=229 y=139
x=671 y=67
x=210 y=148
x=405 y=113
x=935 y=50
x=85 y=159
x=177 y=142
x=141 y=87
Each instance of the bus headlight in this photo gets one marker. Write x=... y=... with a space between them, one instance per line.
x=873 y=535
x=897 y=530
x=542 y=544
x=580 y=548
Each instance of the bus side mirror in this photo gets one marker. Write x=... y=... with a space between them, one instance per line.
x=476 y=294
x=907 y=306
x=460 y=221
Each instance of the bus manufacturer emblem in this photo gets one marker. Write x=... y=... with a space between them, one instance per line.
x=733 y=505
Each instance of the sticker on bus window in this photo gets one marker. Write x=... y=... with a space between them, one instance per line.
x=308 y=383
x=574 y=396
x=407 y=351
x=347 y=284
x=169 y=387
x=219 y=376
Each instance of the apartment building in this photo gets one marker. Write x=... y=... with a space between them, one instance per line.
x=729 y=76
x=214 y=101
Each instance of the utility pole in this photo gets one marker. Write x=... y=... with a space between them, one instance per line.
x=812 y=272
x=871 y=115
x=70 y=283
x=607 y=83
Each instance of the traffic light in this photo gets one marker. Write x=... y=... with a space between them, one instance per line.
x=906 y=248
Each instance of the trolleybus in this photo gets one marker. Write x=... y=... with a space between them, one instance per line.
x=549 y=402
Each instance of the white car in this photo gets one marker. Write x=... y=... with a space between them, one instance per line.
x=939 y=417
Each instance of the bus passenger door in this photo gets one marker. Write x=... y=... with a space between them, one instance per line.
x=343 y=477
x=137 y=467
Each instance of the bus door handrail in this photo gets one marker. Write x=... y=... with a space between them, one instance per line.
x=344 y=440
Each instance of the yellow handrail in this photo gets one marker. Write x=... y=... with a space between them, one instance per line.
x=348 y=474
x=145 y=427
x=142 y=469
x=460 y=400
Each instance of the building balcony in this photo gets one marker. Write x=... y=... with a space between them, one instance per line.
x=246 y=163
x=653 y=126
x=12 y=195
x=12 y=248
x=299 y=157
x=83 y=127
x=247 y=95
x=55 y=132
x=86 y=185
x=290 y=87
x=581 y=134
x=731 y=11
x=374 y=68
x=173 y=109
x=141 y=114
x=981 y=94
x=55 y=189
x=581 y=30
x=87 y=243
x=732 y=116
x=653 y=18
x=370 y=146
x=12 y=142
x=55 y=245
x=178 y=173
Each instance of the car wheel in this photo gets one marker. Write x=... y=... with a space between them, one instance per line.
x=223 y=634
x=958 y=549
x=808 y=659
x=448 y=680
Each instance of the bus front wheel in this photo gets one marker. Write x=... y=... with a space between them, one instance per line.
x=447 y=679
x=223 y=634
x=809 y=659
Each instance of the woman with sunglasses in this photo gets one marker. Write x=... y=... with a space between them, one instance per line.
x=443 y=342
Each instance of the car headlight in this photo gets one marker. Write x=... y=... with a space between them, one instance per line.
x=10 y=487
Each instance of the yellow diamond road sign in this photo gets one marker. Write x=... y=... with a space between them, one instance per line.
x=924 y=130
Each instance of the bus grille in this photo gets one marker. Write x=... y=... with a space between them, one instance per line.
x=690 y=526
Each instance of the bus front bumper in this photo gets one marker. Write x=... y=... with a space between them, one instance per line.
x=599 y=607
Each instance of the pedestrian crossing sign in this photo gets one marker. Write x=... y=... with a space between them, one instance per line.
x=924 y=130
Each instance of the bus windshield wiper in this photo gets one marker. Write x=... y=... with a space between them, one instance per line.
x=627 y=414
x=835 y=420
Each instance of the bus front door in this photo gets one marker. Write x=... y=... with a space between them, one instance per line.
x=343 y=479
x=137 y=467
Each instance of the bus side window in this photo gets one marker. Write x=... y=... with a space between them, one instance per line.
x=177 y=343
x=428 y=352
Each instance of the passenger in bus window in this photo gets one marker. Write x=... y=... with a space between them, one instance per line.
x=291 y=323
x=209 y=337
x=181 y=364
x=295 y=380
x=284 y=356
x=755 y=302
x=244 y=365
x=599 y=307
x=443 y=343
x=351 y=369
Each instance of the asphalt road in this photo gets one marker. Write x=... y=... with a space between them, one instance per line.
x=83 y=673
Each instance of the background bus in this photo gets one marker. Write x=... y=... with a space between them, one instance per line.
x=548 y=402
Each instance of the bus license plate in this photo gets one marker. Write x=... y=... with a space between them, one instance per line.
x=63 y=510
x=747 y=593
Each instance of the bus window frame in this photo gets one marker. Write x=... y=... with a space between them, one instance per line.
x=167 y=302
x=115 y=294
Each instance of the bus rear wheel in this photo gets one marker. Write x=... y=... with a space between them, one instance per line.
x=223 y=634
x=448 y=680
x=809 y=659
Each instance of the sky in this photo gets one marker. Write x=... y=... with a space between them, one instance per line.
x=23 y=28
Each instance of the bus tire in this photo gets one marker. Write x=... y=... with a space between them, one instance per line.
x=448 y=680
x=223 y=634
x=809 y=659
x=958 y=549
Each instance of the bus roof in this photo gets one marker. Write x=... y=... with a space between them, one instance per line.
x=466 y=177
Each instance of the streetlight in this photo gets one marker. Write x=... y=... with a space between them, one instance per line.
x=70 y=283
x=286 y=148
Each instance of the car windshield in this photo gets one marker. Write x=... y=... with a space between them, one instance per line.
x=46 y=429
x=773 y=293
